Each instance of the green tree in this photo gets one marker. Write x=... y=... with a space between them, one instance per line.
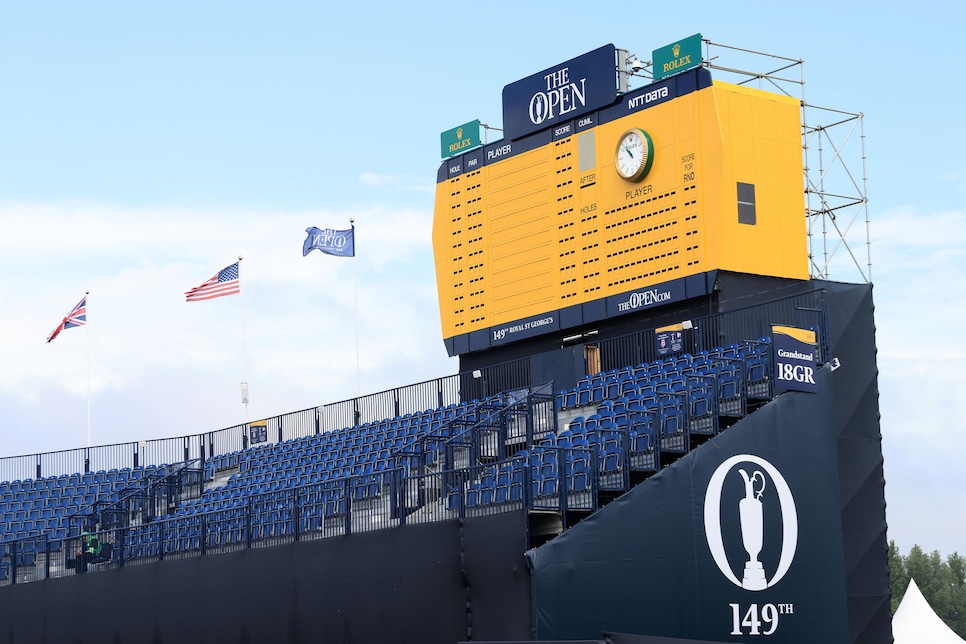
x=898 y=577
x=957 y=616
x=943 y=583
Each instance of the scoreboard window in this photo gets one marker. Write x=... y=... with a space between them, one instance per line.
x=746 y=203
x=586 y=151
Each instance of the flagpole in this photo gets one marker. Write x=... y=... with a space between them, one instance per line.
x=355 y=296
x=244 y=385
x=86 y=293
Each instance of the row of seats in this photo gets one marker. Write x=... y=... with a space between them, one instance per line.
x=351 y=463
x=730 y=365
x=654 y=408
x=367 y=451
x=35 y=507
x=631 y=417
x=640 y=411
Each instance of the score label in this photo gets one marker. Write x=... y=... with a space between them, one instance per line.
x=687 y=167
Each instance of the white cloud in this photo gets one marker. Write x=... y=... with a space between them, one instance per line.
x=918 y=269
x=148 y=345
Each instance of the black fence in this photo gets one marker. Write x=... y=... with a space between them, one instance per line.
x=806 y=311
x=326 y=509
x=418 y=397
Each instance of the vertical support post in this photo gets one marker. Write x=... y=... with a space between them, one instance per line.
x=14 y=557
x=204 y=534
x=347 y=496
x=399 y=498
x=248 y=523
x=296 y=512
x=529 y=419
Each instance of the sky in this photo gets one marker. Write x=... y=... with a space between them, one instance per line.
x=143 y=148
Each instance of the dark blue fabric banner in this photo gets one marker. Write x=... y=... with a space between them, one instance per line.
x=741 y=538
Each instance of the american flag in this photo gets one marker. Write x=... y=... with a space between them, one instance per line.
x=76 y=317
x=224 y=282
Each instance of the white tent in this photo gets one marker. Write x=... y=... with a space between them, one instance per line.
x=915 y=622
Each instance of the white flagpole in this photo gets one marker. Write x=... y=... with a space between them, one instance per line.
x=88 y=329
x=355 y=295
x=244 y=384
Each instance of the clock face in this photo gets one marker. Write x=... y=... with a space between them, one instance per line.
x=635 y=154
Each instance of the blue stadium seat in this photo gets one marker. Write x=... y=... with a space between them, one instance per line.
x=487 y=490
x=580 y=481
x=671 y=416
x=473 y=494
x=501 y=493
x=597 y=389
x=730 y=390
x=582 y=393
x=548 y=486
x=612 y=386
x=758 y=368
x=702 y=405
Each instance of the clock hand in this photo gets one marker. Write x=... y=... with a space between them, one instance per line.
x=629 y=153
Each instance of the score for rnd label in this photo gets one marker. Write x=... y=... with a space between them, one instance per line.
x=687 y=161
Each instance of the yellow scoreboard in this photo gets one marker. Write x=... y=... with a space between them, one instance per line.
x=623 y=208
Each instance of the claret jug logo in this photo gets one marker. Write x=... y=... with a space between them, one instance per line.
x=745 y=495
x=560 y=93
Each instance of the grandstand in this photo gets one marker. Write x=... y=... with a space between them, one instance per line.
x=573 y=483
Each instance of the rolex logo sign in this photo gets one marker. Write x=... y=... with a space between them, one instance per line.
x=682 y=55
x=460 y=139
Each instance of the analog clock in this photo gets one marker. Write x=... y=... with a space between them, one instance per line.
x=635 y=154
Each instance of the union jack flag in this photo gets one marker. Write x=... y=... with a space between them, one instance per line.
x=224 y=282
x=76 y=317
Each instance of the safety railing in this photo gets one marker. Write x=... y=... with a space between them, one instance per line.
x=430 y=394
x=805 y=310
x=338 y=507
